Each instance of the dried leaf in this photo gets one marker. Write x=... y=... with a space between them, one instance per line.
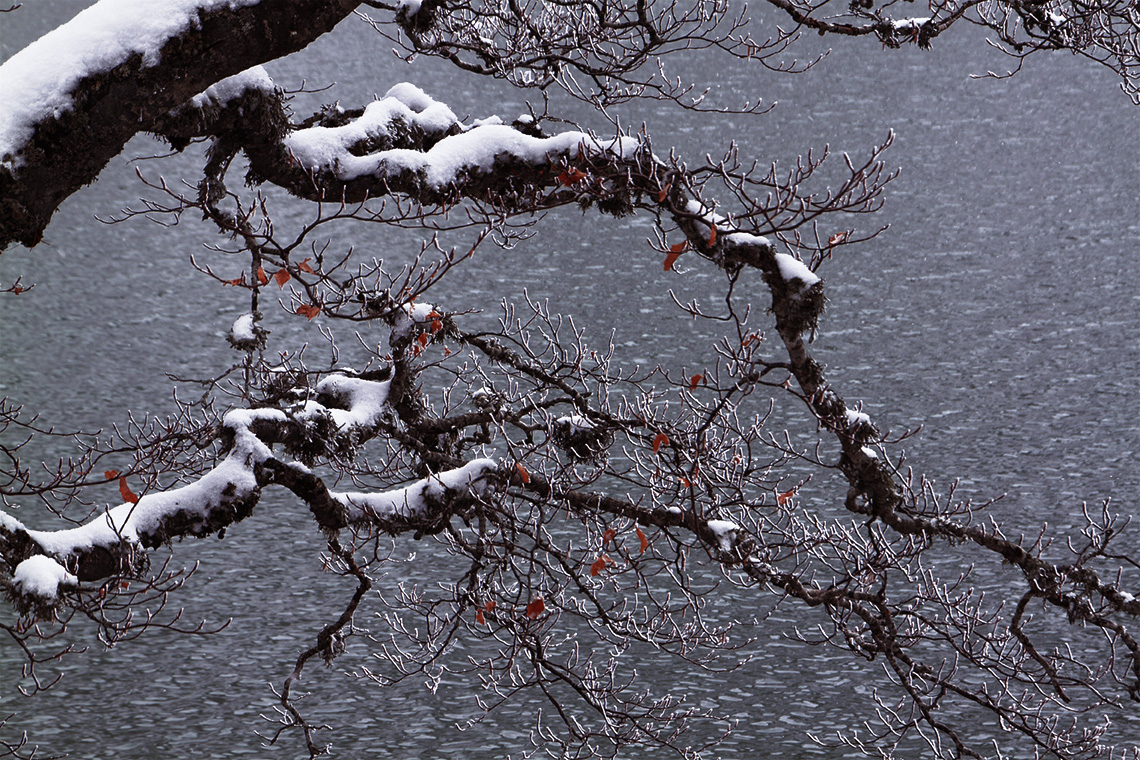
x=663 y=192
x=712 y=236
x=308 y=310
x=304 y=267
x=670 y=260
x=571 y=176
x=490 y=605
x=695 y=380
x=281 y=277
x=436 y=325
x=599 y=564
x=261 y=277
x=785 y=497
x=535 y=608
x=479 y=617
x=838 y=238
x=423 y=339
x=643 y=540
x=125 y=491
x=608 y=536
x=659 y=441
x=522 y=472
x=237 y=281
x=110 y=474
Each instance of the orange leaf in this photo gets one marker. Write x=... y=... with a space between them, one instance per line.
x=111 y=474
x=522 y=472
x=644 y=541
x=679 y=247
x=685 y=482
x=308 y=310
x=126 y=492
x=490 y=605
x=535 y=608
x=479 y=617
x=712 y=236
x=281 y=277
x=237 y=281
x=261 y=276
x=124 y=585
x=599 y=564
x=423 y=339
x=659 y=441
x=785 y=497
x=304 y=266
x=670 y=260
x=663 y=192
x=608 y=536
x=695 y=380
x=436 y=325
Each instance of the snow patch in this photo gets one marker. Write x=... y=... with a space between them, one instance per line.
x=415 y=501
x=792 y=269
x=42 y=576
x=725 y=533
x=242 y=330
x=233 y=87
x=367 y=400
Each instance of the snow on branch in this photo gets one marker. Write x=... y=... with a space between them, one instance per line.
x=74 y=98
x=43 y=563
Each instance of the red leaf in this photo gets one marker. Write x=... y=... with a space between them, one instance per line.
x=281 y=277
x=237 y=281
x=261 y=276
x=479 y=617
x=599 y=564
x=124 y=585
x=641 y=538
x=685 y=482
x=670 y=260
x=712 y=236
x=436 y=325
x=695 y=380
x=785 y=497
x=308 y=310
x=490 y=605
x=659 y=441
x=838 y=238
x=608 y=536
x=522 y=472
x=111 y=474
x=126 y=492
x=535 y=608
x=663 y=192
x=304 y=266
x=423 y=339
x=679 y=247
x=571 y=176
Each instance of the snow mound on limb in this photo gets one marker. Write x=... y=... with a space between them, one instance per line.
x=37 y=83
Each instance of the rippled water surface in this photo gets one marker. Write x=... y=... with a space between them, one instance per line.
x=1001 y=312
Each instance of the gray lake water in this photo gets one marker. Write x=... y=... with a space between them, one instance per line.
x=1001 y=312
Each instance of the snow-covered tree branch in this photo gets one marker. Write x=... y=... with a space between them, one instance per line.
x=587 y=509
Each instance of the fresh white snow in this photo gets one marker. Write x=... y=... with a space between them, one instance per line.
x=42 y=577
x=725 y=532
x=414 y=501
x=37 y=82
x=242 y=329
x=473 y=150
